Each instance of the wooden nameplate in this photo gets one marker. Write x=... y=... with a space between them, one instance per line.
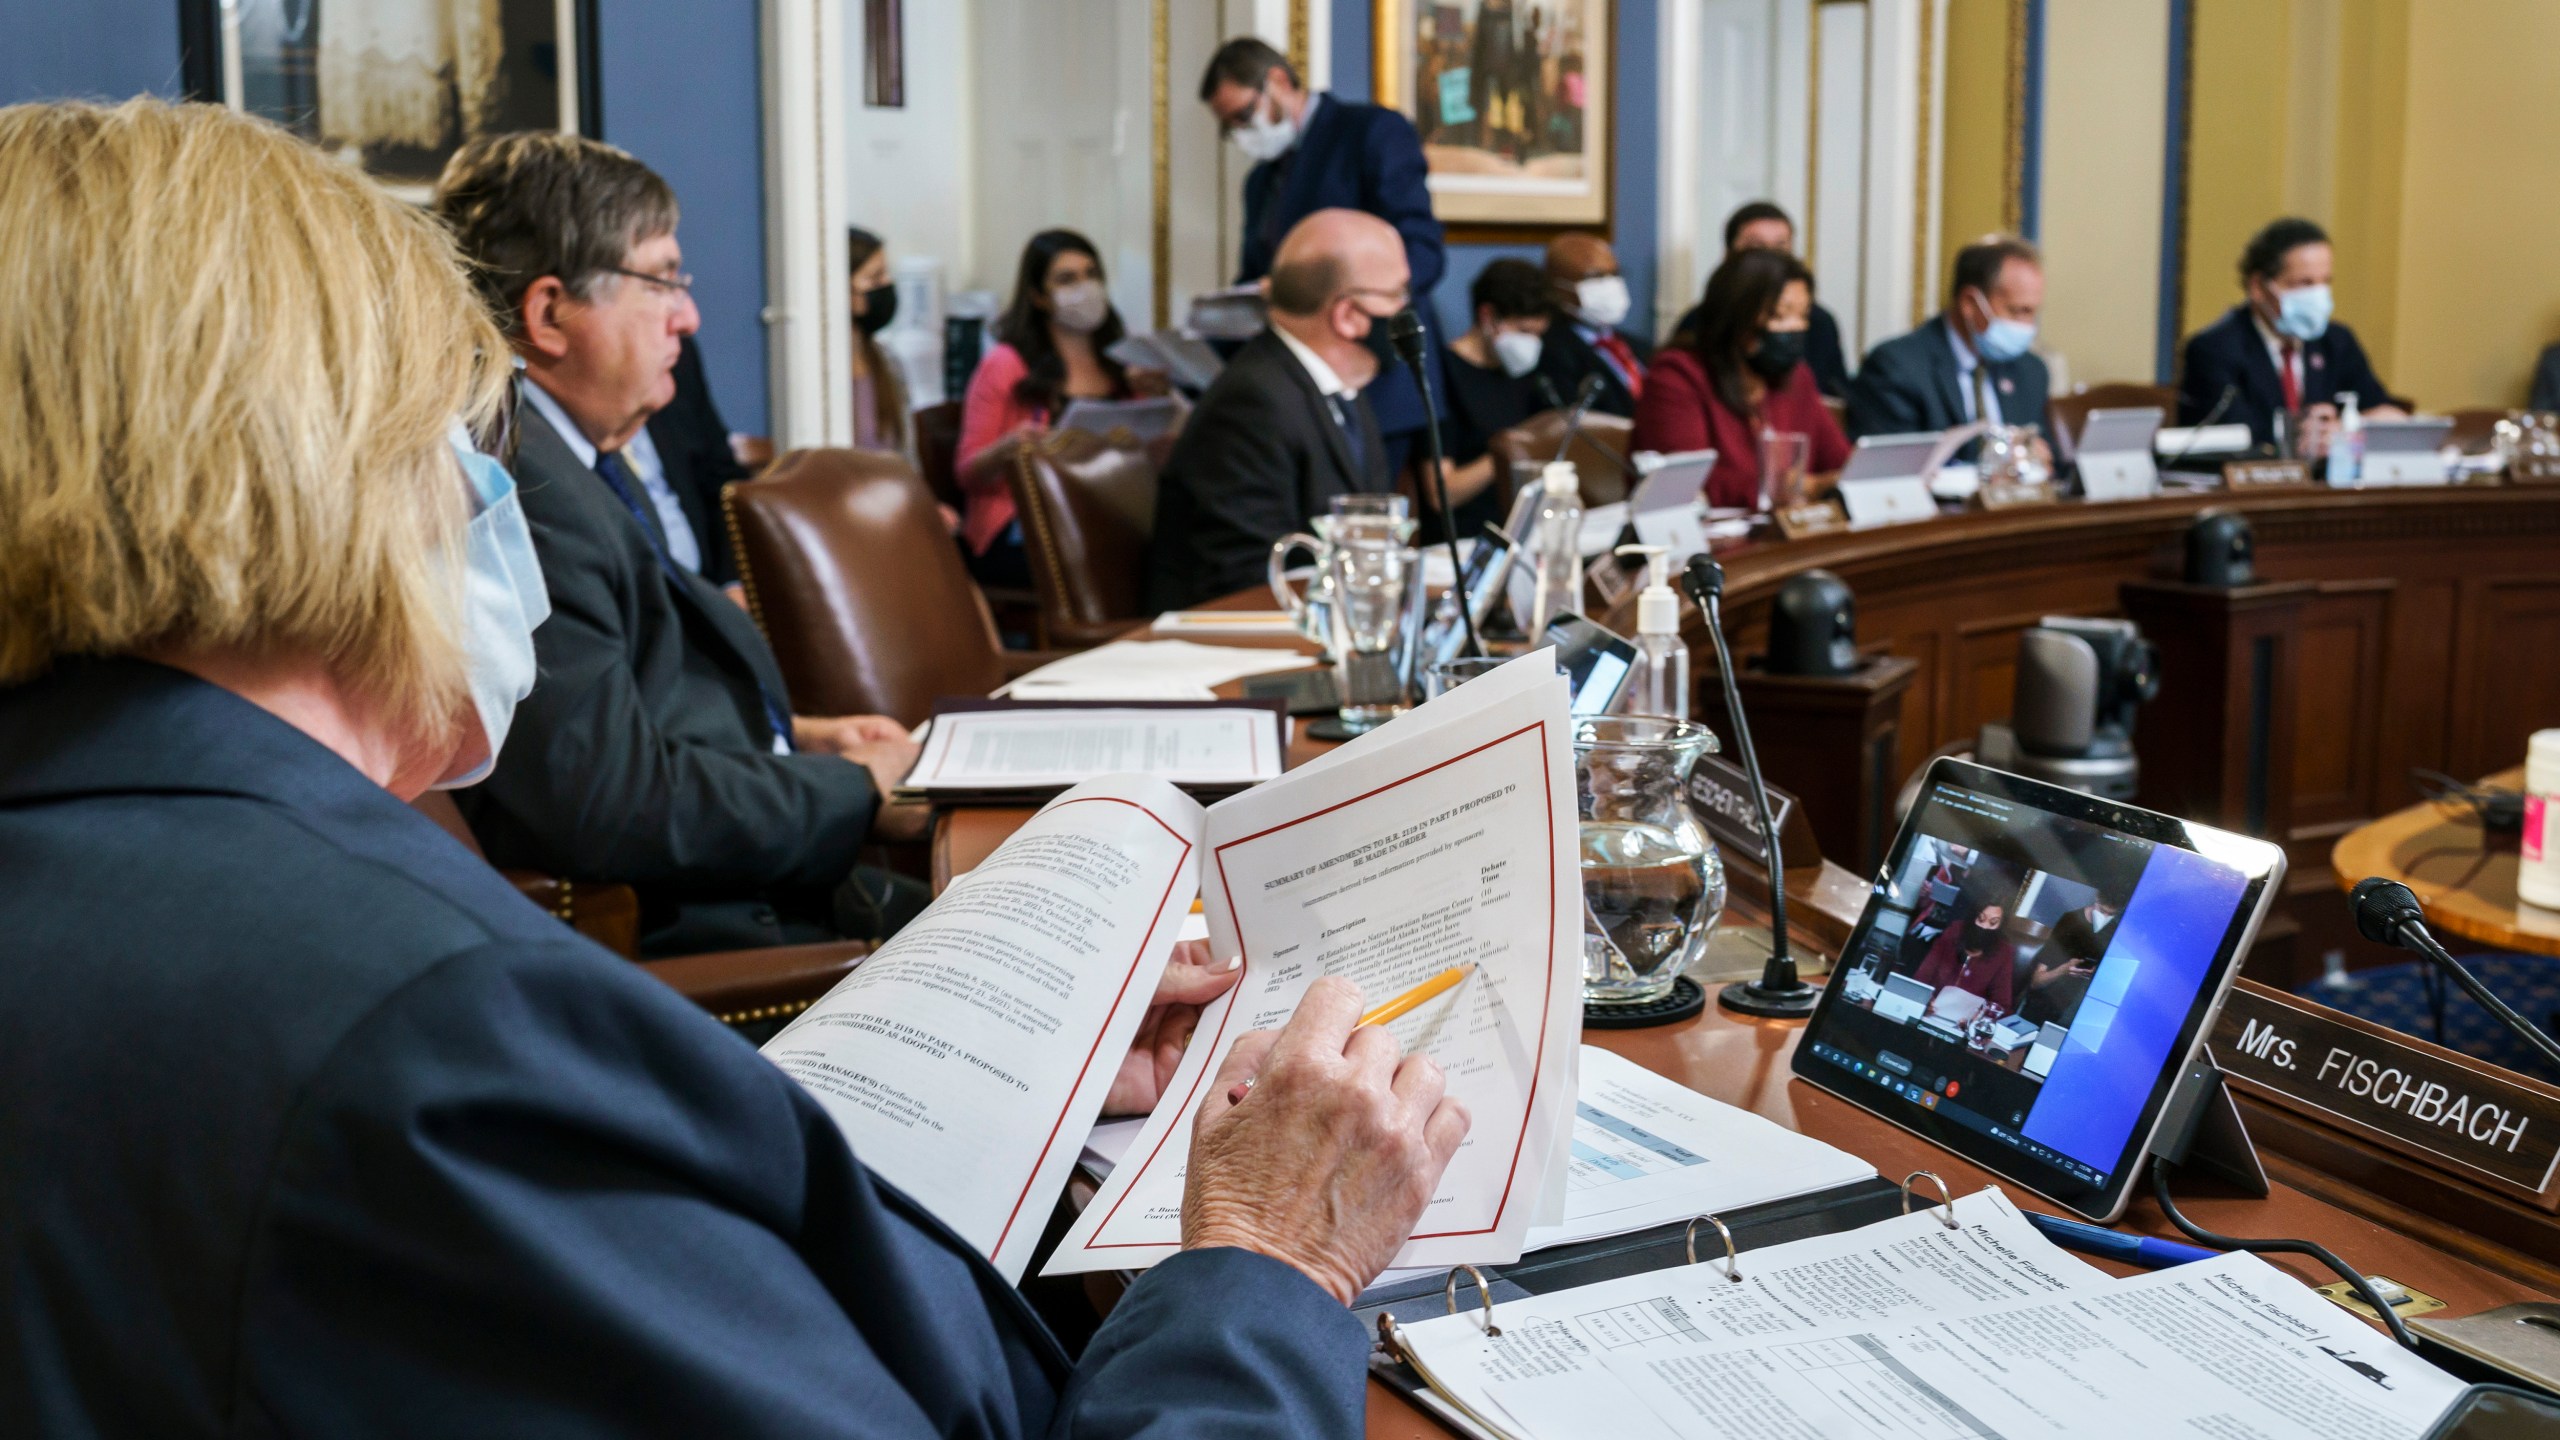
x=2264 y=474
x=1811 y=518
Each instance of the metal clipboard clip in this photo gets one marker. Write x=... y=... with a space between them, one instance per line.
x=1946 y=1198
x=1732 y=1265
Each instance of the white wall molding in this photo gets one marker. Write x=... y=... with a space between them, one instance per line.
x=808 y=327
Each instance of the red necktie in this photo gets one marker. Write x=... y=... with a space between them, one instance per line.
x=2292 y=382
x=1616 y=348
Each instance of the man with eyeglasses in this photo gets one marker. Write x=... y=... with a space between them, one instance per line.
x=1316 y=151
x=658 y=749
x=1288 y=426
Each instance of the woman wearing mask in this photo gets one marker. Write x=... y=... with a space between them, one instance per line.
x=879 y=393
x=1741 y=373
x=1052 y=345
x=379 y=1146
x=1493 y=385
x=1976 y=958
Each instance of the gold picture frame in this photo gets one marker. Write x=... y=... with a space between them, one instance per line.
x=1514 y=100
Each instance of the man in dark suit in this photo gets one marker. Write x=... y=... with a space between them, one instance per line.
x=1316 y=152
x=658 y=749
x=1584 y=339
x=1286 y=428
x=2277 y=353
x=691 y=444
x=1974 y=361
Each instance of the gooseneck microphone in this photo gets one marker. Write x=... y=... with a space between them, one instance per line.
x=2195 y=432
x=2388 y=913
x=1405 y=332
x=1583 y=395
x=1555 y=401
x=1778 y=991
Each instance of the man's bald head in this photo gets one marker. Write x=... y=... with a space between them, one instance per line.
x=1338 y=273
x=1575 y=257
x=1331 y=253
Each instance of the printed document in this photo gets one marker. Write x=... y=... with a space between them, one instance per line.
x=1016 y=749
x=1446 y=835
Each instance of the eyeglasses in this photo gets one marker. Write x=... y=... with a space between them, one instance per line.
x=1245 y=113
x=668 y=285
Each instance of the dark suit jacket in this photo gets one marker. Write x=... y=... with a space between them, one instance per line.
x=693 y=443
x=1260 y=457
x=2231 y=352
x=1567 y=360
x=644 y=756
x=316 y=1127
x=1822 y=352
x=2546 y=380
x=1910 y=383
x=1352 y=157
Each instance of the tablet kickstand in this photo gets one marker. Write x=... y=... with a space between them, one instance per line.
x=2201 y=1129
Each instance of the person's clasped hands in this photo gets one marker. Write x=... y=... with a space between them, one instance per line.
x=880 y=745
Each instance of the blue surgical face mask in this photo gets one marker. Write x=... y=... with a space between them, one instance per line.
x=2003 y=339
x=503 y=600
x=2303 y=314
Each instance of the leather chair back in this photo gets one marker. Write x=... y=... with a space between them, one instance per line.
x=938 y=451
x=2065 y=415
x=858 y=587
x=1088 y=508
x=1536 y=438
x=2474 y=431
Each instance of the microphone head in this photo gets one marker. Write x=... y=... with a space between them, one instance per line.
x=1405 y=332
x=2384 y=908
x=1587 y=391
x=1704 y=577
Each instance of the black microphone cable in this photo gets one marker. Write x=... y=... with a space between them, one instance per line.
x=2195 y=432
x=1583 y=395
x=2160 y=1168
x=1404 y=330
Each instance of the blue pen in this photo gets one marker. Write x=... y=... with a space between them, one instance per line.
x=2098 y=1240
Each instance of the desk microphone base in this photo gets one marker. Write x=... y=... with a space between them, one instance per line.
x=1775 y=1002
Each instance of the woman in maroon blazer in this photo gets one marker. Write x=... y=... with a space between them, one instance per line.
x=1739 y=372
x=1975 y=956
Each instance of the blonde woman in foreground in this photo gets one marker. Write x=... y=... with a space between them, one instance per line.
x=312 y=1125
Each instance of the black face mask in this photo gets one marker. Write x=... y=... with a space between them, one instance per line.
x=1980 y=937
x=879 y=307
x=1777 y=355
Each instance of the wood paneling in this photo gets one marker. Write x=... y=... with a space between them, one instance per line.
x=2337 y=700
x=2507 y=668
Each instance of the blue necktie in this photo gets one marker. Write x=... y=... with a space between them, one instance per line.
x=617 y=476
x=1346 y=413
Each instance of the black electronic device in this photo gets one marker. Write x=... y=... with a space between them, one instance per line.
x=1406 y=333
x=1306 y=692
x=1596 y=661
x=1813 y=626
x=2080 y=682
x=2222 y=550
x=1488 y=567
x=2066 y=1086
x=2388 y=913
x=2499 y=1412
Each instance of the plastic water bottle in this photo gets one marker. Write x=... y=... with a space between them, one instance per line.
x=1559 y=546
x=2346 y=452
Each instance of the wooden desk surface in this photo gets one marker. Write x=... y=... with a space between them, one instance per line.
x=1745 y=1062
x=2466 y=881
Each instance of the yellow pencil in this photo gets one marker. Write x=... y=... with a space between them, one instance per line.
x=1412 y=999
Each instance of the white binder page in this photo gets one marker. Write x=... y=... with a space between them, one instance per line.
x=967 y=1059
x=1003 y=749
x=1447 y=835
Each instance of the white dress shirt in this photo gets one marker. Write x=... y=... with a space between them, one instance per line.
x=641 y=453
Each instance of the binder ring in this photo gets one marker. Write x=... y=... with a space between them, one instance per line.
x=1732 y=1266
x=1484 y=1291
x=1946 y=1198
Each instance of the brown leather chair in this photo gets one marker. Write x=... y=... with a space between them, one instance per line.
x=746 y=988
x=2474 y=431
x=1536 y=438
x=858 y=587
x=2065 y=415
x=938 y=451
x=1088 y=506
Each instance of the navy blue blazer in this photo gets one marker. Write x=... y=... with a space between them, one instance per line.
x=2230 y=352
x=316 y=1127
x=1353 y=157
x=1910 y=383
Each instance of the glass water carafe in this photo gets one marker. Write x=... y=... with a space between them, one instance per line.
x=1653 y=886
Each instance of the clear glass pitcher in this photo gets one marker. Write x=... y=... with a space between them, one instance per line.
x=1653 y=887
x=1349 y=517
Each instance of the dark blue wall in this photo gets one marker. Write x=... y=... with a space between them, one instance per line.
x=1634 y=185
x=87 y=49
x=681 y=90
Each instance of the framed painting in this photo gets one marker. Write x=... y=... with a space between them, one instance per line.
x=396 y=86
x=1513 y=100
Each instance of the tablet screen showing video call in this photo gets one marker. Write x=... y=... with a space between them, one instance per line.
x=2031 y=972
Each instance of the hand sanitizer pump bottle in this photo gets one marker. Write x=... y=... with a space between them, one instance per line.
x=1660 y=684
x=1559 y=547
x=2346 y=452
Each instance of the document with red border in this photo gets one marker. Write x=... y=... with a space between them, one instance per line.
x=966 y=1061
x=1447 y=835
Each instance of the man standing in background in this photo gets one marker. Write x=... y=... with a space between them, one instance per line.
x=1314 y=151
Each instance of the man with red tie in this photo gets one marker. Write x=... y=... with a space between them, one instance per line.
x=2278 y=354
x=1591 y=302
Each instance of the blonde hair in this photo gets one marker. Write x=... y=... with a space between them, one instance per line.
x=233 y=363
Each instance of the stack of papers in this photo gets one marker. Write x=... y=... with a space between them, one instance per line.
x=1258 y=624
x=1149 y=670
x=1030 y=752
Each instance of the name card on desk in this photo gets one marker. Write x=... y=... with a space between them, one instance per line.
x=1887 y=502
x=1723 y=794
x=2455 y=1113
x=2265 y=474
x=1811 y=518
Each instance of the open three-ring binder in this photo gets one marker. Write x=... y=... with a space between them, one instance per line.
x=1388 y=1309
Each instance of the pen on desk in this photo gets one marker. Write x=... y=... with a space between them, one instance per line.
x=2098 y=1240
